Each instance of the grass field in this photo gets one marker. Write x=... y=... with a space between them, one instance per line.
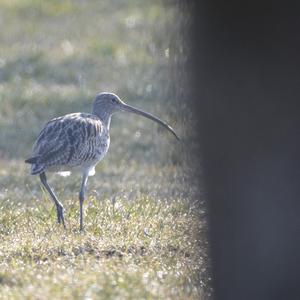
x=145 y=217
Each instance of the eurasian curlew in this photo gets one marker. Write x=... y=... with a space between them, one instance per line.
x=78 y=140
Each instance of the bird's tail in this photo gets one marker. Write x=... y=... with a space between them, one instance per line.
x=36 y=166
x=32 y=160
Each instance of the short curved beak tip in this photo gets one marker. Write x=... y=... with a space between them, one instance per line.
x=174 y=133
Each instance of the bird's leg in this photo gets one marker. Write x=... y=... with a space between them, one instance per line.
x=82 y=196
x=59 y=206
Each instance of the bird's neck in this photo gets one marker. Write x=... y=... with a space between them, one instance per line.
x=105 y=118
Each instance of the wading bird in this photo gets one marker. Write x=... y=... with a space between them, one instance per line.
x=78 y=140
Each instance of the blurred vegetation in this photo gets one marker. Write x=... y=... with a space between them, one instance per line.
x=55 y=56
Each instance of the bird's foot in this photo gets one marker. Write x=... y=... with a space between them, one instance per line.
x=60 y=216
x=81 y=229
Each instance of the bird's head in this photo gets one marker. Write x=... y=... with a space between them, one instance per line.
x=106 y=104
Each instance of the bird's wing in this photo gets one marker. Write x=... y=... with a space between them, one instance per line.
x=64 y=138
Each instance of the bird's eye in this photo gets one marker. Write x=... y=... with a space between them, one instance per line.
x=114 y=100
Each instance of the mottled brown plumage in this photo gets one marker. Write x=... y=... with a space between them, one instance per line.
x=74 y=140
x=78 y=140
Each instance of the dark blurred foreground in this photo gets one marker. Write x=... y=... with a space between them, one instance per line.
x=246 y=91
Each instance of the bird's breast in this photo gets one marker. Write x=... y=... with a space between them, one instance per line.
x=103 y=145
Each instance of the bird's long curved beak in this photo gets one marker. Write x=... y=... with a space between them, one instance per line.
x=129 y=108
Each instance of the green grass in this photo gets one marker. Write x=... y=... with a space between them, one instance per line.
x=145 y=218
x=132 y=249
